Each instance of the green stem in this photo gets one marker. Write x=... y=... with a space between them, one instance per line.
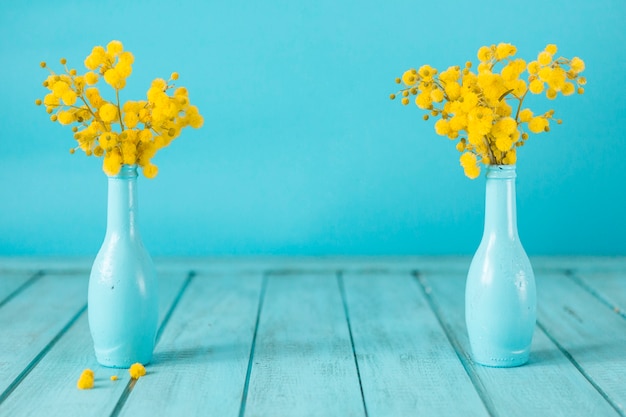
x=86 y=104
x=91 y=111
x=119 y=109
x=492 y=157
x=519 y=106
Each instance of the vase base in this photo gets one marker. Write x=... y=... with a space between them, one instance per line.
x=122 y=363
x=509 y=361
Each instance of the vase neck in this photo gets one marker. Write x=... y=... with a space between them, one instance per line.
x=122 y=202
x=500 y=209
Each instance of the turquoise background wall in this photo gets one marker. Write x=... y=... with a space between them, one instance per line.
x=302 y=152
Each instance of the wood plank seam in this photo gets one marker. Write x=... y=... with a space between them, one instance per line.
x=123 y=398
x=246 y=385
x=132 y=382
x=571 y=274
x=580 y=369
x=41 y=354
x=22 y=287
x=183 y=288
x=463 y=356
x=342 y=291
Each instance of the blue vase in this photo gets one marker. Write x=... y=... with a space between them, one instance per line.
x=500 y=295
x=122 y=299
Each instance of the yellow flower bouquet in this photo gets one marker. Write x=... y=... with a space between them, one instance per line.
x=483 y=111
x=143 y=127
x=127 y=136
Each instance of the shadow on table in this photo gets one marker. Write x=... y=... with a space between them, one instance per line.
x=202 y=354
x=611 y=353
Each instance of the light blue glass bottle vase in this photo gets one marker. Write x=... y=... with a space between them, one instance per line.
x=500 y=295
x=122 y=299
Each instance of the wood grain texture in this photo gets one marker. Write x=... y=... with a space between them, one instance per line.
x=50 y=388
x=31 y=320
x=303 y=364
x=608 y=286
x=589 y=331
x=407 y=365
x=547 y=386
x=51 y=264
x=202 y=358
x=13 y=282
x=334 y=336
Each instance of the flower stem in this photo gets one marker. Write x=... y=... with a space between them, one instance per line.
x=519 y=106
x=90 y=110
x=492 y=157
x=119 y=109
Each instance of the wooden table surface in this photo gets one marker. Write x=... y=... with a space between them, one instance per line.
x=314 y=337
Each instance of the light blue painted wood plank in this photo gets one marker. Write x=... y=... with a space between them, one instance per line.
x=610 y=287
x=255 y=264
x=202 y=359
x=579 y=263
x=583 y=326
x=315 y=264
x=549 y=385
x=33 y=318
x=10 y=282
x=406 y=363
x=50 y=388
x=303 y=364
x=51 y=264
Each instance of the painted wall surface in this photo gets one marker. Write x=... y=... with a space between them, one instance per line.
x=302 y=152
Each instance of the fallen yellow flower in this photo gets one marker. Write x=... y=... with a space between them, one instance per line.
x=86 y=379
x=137 y=370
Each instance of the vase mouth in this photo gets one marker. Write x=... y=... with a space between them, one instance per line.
x=501 y=171
x=126 y=172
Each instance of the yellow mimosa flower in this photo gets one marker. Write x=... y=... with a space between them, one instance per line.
x=442 y=127
x=436 y=95
x=65 y=117
x=150 y=170
x=505 y=50
x=533 y=67
x=481 y=110
x=108 y=112
x=551 y=49
x=551 y=93
x=510 y=157
x=115 y=47
x=577 y=65
x=143 y=126
x=409 y=77
x=568 y=89
x=544 y=58
x=86 y=380
x=557 y=78
x=112 y=162
x=536 y=86
x=453 y=90
x=427 y=72
x=470 y=165
x=537 y=124
x=525 y=115
x=485 y=54
x=123 y=70
x=423 y=100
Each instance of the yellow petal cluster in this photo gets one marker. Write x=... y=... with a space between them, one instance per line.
x=137 y=370
x=483 y=109
x=86 y=380
x=121 y=133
